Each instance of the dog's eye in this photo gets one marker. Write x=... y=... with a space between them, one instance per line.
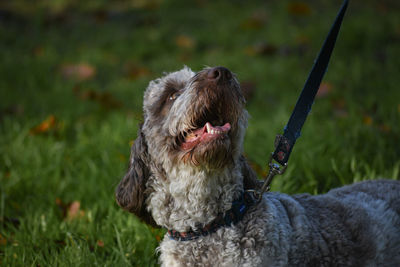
x=174 y=96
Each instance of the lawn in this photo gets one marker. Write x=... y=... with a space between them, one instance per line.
x=72 y=78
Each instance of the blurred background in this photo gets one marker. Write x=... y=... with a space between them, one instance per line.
x=72 y=77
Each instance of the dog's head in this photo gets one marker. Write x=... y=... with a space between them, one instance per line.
x=192 y=121
x=195 y=119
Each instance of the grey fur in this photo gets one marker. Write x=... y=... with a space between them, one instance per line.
x=356 y=225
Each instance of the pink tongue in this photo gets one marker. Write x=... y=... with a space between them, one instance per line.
x=199 y=131
x=204 y=133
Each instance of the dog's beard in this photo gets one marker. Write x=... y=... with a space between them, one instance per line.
x=208 y=145
x=214 y=154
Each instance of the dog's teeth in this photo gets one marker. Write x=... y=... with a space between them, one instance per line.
x=211 y=130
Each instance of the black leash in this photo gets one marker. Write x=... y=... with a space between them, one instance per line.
x=285 y=142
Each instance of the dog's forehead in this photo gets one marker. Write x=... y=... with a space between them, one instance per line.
x=180 y=76
x=157 y=86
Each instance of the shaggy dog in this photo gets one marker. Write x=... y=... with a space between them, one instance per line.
x=187 y=174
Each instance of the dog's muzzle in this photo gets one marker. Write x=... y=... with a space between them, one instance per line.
x=213 y=117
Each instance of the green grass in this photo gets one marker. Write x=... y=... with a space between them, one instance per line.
x=352 y=133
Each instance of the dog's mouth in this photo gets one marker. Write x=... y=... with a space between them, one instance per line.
x=205 y=134
x=208 y=134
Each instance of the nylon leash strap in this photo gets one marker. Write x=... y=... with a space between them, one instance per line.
x=284 y=143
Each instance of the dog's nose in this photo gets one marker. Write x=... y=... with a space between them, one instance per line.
x=218 y=73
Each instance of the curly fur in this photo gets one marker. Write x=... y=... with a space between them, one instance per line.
x=182 y=189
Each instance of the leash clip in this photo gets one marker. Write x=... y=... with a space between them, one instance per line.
x=274 y=169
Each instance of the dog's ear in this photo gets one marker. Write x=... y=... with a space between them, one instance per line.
x=250 y=180
x=131 y=192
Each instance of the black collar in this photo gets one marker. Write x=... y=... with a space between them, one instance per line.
x=228 y=218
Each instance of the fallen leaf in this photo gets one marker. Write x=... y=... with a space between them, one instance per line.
x=156 y=233
x=59 y=202
x=81 y=71
x=339 y=107
x=100 y=243
x=185 y=56
x=122 y=158
x=45 y=126
x=7 y=174
x=383 y=7
x=184 y=41
x=38 y=51
x=74 y=211
x=105 y=99
x=261 y=49
x=385 y=128
x=3 y=240
x=251 y=23
x=324 y=90
x=71 y=210
x=341 y=113
x=158 y=238
x=135 y=72
x=299 y=9
x=367 y=120
x=302 y=39
x=101 y=16
x=108 y=101
x=256 y=21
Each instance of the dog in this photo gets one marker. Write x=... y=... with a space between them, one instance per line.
x=187 y=173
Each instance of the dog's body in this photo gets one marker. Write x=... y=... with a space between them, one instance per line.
x=187 y=169
x=356 y=225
